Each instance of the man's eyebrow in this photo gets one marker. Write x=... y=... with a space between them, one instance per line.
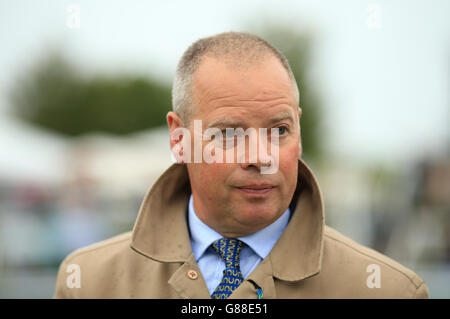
x=236 y=123
x=226 y=123
x=285 y=115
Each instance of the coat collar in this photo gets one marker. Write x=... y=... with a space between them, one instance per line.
x=161 y=230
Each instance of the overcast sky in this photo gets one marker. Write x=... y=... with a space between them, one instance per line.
x=382 y=67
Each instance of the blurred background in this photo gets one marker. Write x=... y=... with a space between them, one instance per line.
x=85 y=87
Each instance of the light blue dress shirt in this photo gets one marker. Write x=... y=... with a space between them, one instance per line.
x=258 y=246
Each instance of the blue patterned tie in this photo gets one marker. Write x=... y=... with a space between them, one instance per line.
x=229 y=249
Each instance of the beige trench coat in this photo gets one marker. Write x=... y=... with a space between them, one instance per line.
x=155 y=259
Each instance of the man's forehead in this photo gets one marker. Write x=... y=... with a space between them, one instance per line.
x=215 y=82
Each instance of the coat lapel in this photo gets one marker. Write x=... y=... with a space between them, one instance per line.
x=185 y=285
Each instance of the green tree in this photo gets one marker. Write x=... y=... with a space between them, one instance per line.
x=55 y=96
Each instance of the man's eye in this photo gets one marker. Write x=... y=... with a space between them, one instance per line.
x=227 y=140
x=281 y=130
x=228 y=133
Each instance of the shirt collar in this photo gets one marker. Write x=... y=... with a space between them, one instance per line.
x=261 y=242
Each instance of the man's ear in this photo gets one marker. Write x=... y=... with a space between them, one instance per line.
x=300 y=153
x=174 y=122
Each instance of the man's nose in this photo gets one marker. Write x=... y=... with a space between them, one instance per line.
x=255 y=157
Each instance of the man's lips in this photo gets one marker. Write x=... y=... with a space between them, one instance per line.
x=256 y=186
x=256 y=190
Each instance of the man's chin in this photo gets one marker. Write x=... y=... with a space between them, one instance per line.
x=258 y=217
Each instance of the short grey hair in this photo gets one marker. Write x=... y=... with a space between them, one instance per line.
x=237 y=49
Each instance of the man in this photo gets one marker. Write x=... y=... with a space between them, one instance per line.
x=234 y=229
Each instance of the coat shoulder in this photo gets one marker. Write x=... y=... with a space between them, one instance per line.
x=353 y=255
x=91 y=261
x=105 y=247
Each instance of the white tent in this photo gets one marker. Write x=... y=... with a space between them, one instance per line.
x=31 y=154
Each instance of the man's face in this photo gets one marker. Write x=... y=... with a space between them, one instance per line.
x=235 y=199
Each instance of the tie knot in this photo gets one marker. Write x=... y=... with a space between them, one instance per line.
x=229 y=249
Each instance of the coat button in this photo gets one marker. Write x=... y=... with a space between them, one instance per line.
x=192 y=274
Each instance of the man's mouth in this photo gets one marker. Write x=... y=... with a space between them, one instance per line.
x=256 y=190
